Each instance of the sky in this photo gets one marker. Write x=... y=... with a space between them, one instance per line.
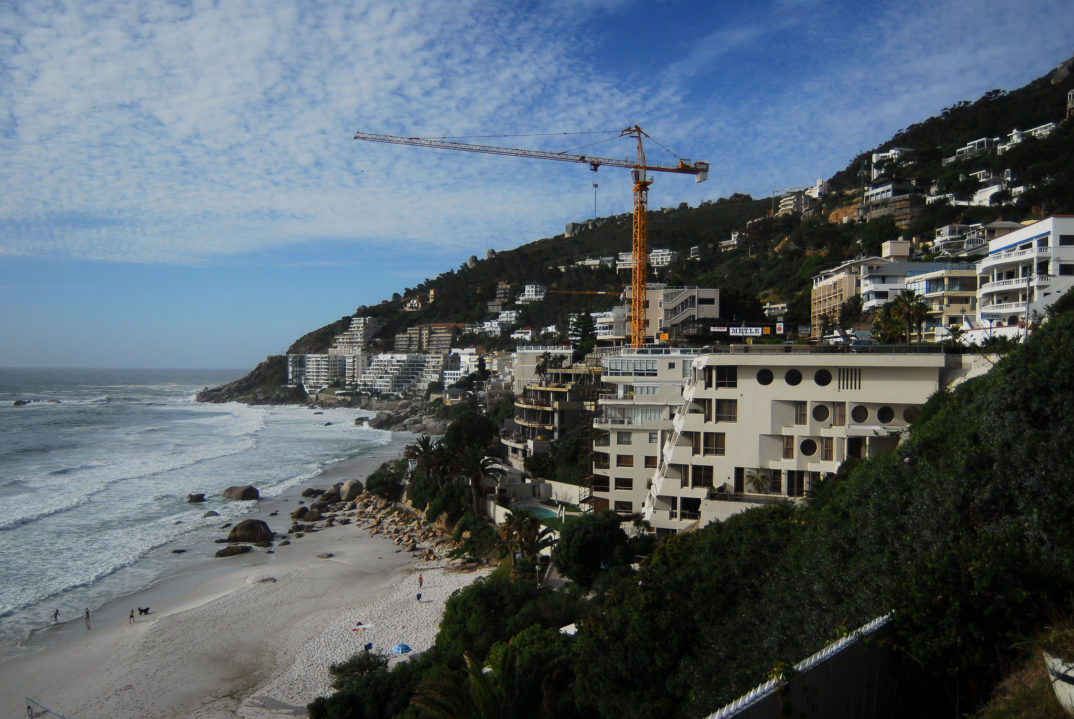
x=180 y=185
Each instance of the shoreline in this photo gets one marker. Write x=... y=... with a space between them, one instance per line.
x=251 y=635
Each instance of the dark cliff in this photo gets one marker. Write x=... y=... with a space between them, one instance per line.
x=265 y=384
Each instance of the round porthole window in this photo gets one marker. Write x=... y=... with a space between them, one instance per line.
x=821 y=412
x=809 y=447
x=793 y=377
x=860 y=413
x=910 y=414
x=823 y=377
x=885 y=414
x=764 y=376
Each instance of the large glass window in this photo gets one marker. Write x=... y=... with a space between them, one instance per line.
x=800 y=413
x=715 y=443
x=624 y=483
x=727 y=410
x=788 y=447
x=726 y=376
x=624 y=460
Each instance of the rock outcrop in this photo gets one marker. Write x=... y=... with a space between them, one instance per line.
x=350 y=490
x=265 y=384
x=250 y=530
x=244 y=492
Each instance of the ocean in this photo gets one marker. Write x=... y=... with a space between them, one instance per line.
x=96 y=465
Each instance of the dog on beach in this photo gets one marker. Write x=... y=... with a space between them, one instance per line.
x=143 y=611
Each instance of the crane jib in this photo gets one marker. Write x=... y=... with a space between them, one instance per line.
x=683 y=166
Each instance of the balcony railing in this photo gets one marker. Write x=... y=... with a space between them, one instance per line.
x=1005 y=258
x=1017 y=283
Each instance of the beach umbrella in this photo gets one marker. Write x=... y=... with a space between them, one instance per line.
x=400 y=649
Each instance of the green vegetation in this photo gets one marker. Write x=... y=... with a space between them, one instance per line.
x=965 y=533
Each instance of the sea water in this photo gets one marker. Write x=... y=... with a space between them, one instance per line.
x=96 y=466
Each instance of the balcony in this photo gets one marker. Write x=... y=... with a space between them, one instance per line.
x=1016 y=257
x=1017 y=283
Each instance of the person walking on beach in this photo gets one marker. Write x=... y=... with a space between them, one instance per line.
x=87 y=618
x=56 y=617
x=420 y=581
x=130 y=620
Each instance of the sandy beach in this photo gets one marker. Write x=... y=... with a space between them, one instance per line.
x=249 y=636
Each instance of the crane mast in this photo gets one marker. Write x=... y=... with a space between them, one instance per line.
x=639 y=166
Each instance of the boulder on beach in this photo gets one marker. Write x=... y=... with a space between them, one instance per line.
x=331 y=495
x=246 y=491
x=234 y=549
x=250 y=530
x=195 y=497
x=211 y=513
x=350 y=490
x=300 y=513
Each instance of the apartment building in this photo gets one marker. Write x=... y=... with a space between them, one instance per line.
x=763 y=426
x=430 y=338
x=642 y=390
x=1026 y=271
x=833 y=287
x=561 y=401
x=880 y=285
x=322 y=370
x=531 y=293
x=950 y=291
x=668 y=310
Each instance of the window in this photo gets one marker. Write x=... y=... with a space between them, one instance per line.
x=622 y=437
x=650 y=462
x=788 y=447
x=727 y=410
x=600 y=483
x=821 y=412
x=740 y=479
x=652 y=438
x=860 y=413
x=827 y=449
x=701 y=475
x=800 y=413
x=793 y=377
x=715 y=444
x=809 y=447
x=839 y=413
x=910 y=414
x=822 y=377
x=624 y=483
x=1066 y=240
x=624 y=507
x=726 y=376
x=624 y=460
x=795 y=483
x=764 y=377
x=1066 y=269
x=885 y=414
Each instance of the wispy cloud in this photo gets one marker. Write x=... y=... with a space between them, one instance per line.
x=152 y=132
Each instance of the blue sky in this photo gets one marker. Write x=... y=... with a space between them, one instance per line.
x=180 y=186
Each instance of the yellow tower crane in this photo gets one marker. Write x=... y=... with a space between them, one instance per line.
x=639 y=166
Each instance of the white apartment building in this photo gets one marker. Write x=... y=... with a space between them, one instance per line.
x=531 y=293
x=762 y=426
x=643 y=388
x=356 y=337
x=1026 y=271
x=659 y=259
x=322 y=370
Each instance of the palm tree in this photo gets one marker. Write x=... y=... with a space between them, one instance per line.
x=480 y=471
x=912 y=311
x=510 y=689
x=429 y=455
x=523 y=531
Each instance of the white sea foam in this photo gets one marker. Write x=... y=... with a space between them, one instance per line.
x=95 y=491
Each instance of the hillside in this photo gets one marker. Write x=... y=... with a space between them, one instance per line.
x=776 y=257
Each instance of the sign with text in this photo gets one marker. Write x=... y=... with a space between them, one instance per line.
x=746 y=331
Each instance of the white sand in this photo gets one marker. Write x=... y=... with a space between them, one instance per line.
x=233 y=646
